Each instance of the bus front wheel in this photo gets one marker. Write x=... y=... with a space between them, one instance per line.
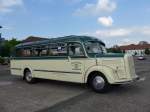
x=99 y=84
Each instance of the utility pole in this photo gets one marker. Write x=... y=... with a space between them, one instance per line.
x=1 y=34
x=0 y=40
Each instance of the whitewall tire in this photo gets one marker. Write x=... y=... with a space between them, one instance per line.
x=28 y=77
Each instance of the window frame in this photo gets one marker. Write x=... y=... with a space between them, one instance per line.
x=66 y=54
x=82 y=47
x=40 y=47
x=23 y=50
x=33 y=47
x=94 y=53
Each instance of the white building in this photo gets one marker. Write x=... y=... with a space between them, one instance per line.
x=138 y=49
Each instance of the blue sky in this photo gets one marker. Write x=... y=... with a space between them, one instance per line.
x=114 y=21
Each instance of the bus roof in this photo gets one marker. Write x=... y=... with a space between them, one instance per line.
x=71 y=38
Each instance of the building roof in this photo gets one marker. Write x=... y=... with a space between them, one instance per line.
x=135 y=47
x=33 y=39
x=62 y=39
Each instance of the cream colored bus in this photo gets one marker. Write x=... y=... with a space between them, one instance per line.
x=79 y=59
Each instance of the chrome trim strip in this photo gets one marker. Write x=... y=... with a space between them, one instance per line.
x=16 y=68
x=57 y=71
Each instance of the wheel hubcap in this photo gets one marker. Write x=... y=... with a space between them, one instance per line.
x=98 y=82
x=28 y=76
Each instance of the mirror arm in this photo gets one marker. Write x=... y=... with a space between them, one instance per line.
x=69 y=58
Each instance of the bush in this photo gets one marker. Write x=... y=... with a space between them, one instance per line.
x=2 y=60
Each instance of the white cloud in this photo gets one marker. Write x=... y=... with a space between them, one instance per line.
x=127 y=41
x=105 y=21
x=8 y=5
x=106 y=5
x=112 y=33
x=6 y=28
x=122 y=36
x=145 y=31
x=121 y=32
x=102 y=6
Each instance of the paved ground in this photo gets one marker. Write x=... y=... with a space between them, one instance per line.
x=53 y=96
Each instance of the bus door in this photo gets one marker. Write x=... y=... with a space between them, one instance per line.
x=76 y=61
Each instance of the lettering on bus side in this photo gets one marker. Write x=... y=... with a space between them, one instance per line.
x=76 y=65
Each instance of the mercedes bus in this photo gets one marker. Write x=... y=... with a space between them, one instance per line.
x=79 y=59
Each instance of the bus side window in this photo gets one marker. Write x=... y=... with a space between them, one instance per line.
x=41 y=50
x=57 y=49
x=27 y=52
x=75 y=49
x=23 y=52
x=19 y=52
x=44 y=50
x=36 y=51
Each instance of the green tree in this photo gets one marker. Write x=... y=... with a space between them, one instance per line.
x=115 y=49
x=7 y=46
x=147 y=51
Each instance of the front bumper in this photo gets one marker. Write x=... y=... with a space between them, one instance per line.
x=136 y=79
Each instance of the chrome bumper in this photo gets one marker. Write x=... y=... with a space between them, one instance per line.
x=137 y=79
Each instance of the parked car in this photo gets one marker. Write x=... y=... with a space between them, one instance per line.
x=141 y=58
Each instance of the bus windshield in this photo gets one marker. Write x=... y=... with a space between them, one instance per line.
x=95 y=47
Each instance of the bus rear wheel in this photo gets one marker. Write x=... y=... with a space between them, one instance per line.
x=28 y=77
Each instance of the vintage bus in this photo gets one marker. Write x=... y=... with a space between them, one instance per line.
x=79 y=59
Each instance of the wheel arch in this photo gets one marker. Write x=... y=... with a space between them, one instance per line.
x=24 y=71
x=94 y=73
x=106 y=72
